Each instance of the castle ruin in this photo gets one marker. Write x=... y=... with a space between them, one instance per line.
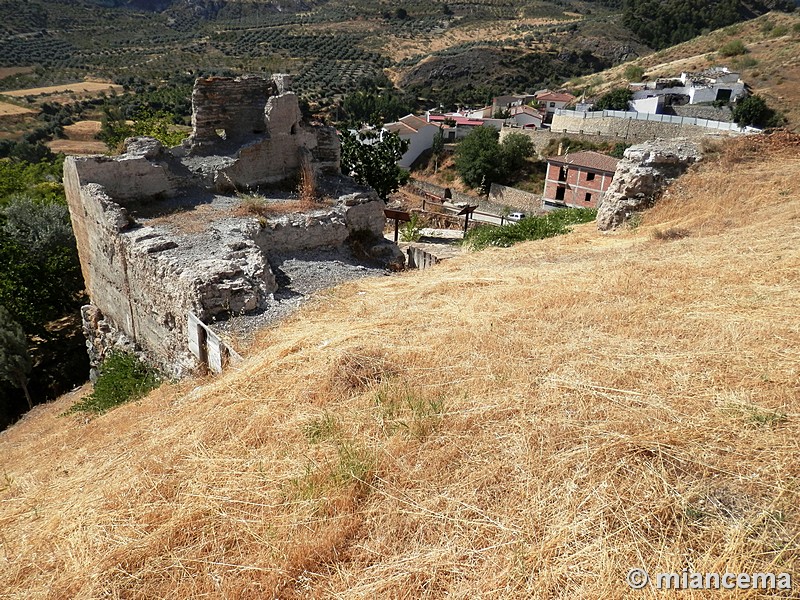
x=166 y=244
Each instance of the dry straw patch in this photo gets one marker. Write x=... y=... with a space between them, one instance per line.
x=531 y=423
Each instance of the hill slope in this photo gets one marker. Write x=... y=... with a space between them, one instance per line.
x=771 y=65
x=520 y=423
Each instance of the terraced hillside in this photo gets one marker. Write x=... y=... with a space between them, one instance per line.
x=529 y=422
x=481 y=46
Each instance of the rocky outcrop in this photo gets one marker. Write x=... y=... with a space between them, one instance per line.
x=163 y=244
x=642 y=175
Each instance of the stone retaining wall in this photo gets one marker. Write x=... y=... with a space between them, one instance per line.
x=502 y=195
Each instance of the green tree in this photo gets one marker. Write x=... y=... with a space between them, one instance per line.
x=437 y=148
x=516 y=148
x=15 y=362
x=370 y=157
x=479 y=158
x=159 y=125
x=753 y=111
x=371 y=107
x=614 y=100
x=40 y=275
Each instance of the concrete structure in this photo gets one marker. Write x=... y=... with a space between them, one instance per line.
x=714 y=85
x=641 y=126
x=578 y=179
x=165 y=248
x=418 y=132
x=509 y=101
x=513 y=198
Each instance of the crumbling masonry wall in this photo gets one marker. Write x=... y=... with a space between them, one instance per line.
x=150 y=266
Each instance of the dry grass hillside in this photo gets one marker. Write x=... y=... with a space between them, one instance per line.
x=771 y=65
x=520 y=423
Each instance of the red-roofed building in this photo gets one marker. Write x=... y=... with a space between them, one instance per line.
x=578 y=179
x=527 y=117
x=553 y=101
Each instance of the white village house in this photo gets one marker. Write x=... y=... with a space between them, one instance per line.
x=418 y=132
x=714 y=85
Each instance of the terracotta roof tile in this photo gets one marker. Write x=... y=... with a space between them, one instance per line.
x=587 y=159
x=555 y=97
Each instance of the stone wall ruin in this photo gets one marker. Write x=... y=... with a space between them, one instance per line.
x=165 y=236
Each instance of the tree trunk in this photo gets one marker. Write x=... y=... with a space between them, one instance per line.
x=24 y=386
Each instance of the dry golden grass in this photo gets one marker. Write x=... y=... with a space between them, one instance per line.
x=83 y=131
x=9 y=71
x=259 y=206
x=77 y=147
x=519 y=423
x=511 y=30
x=80 y=87
x=7 y=109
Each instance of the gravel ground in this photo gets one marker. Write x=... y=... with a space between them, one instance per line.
x=299 y=275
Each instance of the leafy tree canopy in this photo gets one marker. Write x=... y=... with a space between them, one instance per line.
x=482 y=160
x=15 y=362
x=370 y=157
x=158 y=125
x=614 y=100
x=479 y=158
x=753 y=111
x=374 y=107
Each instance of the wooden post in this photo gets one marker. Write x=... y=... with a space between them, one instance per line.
x=396 y=230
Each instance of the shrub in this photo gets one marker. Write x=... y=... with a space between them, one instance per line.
x=123 y=377
x=754 y=111
x=531 y=228
x=634 y=73
x=411 y=230
x=614 y=100
x=673 y=233
x=733 y=48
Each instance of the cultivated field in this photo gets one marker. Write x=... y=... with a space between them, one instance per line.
x=81 y=139
x=517 y=423
x=81 y=88
x=7 y=109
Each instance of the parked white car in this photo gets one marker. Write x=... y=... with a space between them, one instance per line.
x=515 y=216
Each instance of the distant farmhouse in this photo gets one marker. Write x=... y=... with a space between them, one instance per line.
x=714 y=85
x=578 y=180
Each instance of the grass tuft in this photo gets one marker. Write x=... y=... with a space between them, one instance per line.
x=123 y=377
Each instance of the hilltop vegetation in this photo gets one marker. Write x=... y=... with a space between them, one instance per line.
x=531 y=423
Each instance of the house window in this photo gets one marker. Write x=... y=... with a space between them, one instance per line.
x=552 y=105
x=560 y=191
x=590 y=177
x=588 y=197
x=562 y=174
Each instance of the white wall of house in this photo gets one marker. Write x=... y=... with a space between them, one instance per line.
x=482 y=113
x=525 y=119
x=417 y=144
x=709 y=94
x=652 y=105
